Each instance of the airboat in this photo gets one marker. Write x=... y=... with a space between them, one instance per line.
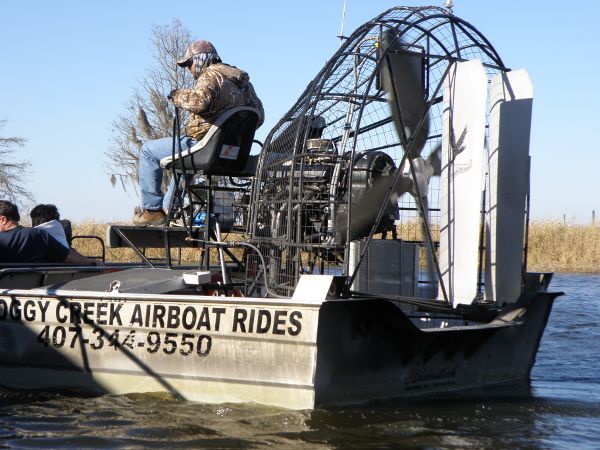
x=375 y=247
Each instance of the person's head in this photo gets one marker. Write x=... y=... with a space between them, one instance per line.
x=43 y=213
x=9 y=215
x=198 y=56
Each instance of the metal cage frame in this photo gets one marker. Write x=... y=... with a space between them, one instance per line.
x=330 y=148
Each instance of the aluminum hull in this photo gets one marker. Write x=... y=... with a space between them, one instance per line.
x=282 y=352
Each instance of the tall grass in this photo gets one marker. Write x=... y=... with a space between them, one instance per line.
x=553 y=246
x=564 y=247
x=92 y=247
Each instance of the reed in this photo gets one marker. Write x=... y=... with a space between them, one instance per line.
x=553 y=246
x=564 y=247
x=88 y=246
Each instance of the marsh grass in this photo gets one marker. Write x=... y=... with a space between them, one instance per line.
x=92 y=247
x=564 y=247
x=553 y=246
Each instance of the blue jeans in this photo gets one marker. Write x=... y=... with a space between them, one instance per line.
x=150 y=173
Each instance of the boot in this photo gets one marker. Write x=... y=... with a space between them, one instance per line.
x=148 y=217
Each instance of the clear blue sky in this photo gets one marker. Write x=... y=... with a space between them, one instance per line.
x=68 y=67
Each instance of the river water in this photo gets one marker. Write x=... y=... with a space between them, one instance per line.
x=559 y=409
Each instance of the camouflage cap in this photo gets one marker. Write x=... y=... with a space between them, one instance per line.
x=193 y=49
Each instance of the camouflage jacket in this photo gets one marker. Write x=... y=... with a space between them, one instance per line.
x=218 y=87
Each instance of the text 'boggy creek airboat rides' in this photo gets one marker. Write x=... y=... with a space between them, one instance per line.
x=375 y=248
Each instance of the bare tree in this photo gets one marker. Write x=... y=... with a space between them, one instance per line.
x=13 y=173
x=149 y=115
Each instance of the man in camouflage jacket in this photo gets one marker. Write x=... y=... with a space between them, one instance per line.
x=218 y=87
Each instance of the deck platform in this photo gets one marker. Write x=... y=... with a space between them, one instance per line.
x=117 y=236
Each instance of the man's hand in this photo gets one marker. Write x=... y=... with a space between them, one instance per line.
x=171 y=94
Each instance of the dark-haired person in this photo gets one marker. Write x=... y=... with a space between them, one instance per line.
x=218 y=87
x=46 y=217
x=30 y=245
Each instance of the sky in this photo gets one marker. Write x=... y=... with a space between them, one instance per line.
x=67 y=68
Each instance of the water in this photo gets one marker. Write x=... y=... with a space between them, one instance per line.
x=560 y=409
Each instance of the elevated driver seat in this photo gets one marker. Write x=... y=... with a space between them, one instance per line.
x=223 y=151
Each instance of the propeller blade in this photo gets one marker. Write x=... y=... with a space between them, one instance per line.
x=424 y=170
x=423 y=173
x=402 y=79
x=435 y=160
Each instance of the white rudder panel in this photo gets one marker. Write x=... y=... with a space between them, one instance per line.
x=511 y=99
x=461 y=181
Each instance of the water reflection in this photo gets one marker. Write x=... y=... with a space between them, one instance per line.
x=502 y=419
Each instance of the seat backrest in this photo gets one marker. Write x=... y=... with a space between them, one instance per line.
x=68 y=230
x=225 y=148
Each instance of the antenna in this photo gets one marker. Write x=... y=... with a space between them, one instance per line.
x=449 y=5
x=341 y=36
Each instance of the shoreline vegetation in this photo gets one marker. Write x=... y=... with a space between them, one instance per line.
x=563 y=247
x=553 y=246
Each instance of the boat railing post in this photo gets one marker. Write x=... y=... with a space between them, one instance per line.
x=220 y=250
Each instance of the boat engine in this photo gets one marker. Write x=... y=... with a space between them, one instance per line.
x=329 y=190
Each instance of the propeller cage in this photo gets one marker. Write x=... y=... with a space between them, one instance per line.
x=333 y=170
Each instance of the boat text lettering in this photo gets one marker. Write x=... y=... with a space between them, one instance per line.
x=96 y=338
x=160 y=316
x=174 y=316
x=28 y=310
x=265 y=321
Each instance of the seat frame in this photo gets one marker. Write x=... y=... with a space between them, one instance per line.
x=209 y=157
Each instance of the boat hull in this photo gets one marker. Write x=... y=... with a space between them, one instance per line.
x=372 y=350
x=272 y=351
x=209 y=349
